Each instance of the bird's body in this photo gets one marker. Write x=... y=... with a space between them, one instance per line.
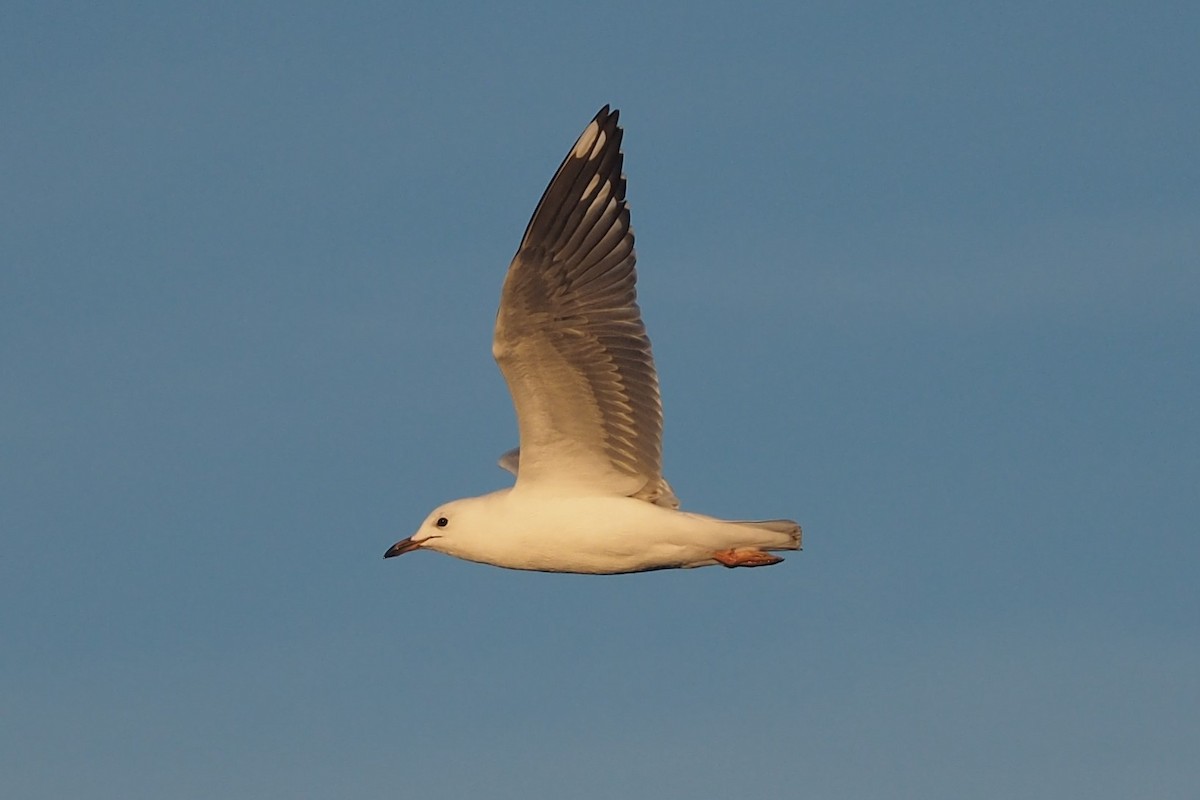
x=590 y=496
x=522 y=528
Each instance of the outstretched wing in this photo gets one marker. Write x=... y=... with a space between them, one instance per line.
x=569 y=336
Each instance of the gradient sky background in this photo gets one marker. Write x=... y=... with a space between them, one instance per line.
x=925 y=279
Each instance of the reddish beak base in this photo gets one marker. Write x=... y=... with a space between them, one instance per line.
x=401 y=547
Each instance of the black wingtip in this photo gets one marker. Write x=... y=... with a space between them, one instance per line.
x=562 y=195
x=604 y=114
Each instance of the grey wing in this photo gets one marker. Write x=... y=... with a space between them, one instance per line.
x=510 y=461
x=569 y=337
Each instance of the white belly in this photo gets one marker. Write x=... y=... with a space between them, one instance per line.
x=594 y=535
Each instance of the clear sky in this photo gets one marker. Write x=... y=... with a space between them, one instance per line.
x=924 y=279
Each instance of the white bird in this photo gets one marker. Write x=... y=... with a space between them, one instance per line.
x=589 y=494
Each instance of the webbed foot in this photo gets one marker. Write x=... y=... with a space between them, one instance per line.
x=745 y=558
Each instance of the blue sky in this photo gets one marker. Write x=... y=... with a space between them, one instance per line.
x=923 y=278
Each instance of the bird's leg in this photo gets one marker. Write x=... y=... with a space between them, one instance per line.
x=745 y=558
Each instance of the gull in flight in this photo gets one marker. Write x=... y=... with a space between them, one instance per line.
x=589 y=494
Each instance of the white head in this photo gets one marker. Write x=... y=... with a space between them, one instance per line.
x=447 y=529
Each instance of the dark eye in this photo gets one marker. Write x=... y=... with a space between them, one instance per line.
x=442 y=522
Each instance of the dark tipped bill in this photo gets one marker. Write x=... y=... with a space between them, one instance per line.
x=401 y=547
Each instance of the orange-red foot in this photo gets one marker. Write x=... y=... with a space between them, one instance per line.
x=745 y=558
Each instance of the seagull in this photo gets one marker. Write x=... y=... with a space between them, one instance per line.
x=589 y=495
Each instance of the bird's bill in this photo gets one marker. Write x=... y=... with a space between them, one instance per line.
x=401 y=547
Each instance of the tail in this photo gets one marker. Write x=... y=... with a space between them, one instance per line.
x=786 y=534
